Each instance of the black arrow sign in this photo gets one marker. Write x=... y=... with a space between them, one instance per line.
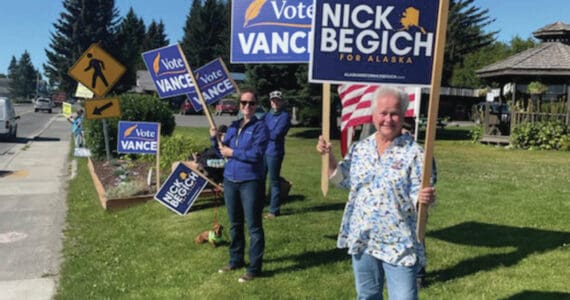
x=99 y=110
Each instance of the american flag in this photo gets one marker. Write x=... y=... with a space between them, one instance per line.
x=356 y=100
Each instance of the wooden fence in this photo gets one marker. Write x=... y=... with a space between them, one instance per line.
x=520 y=117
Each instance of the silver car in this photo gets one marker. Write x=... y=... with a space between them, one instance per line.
x=43 y=104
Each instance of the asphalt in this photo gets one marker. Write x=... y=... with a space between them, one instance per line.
x=33 y=184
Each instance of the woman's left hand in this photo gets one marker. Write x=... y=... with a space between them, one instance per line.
x=427 y=195
x=226 y=151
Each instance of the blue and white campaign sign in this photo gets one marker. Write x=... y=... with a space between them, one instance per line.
x=180 y=190
x=214 y=81
x=169 y=71
x=138 y=137
x=390 y=42
x=274 y=31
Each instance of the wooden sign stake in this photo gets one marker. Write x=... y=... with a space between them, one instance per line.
x=326 y=137
x=432 y=114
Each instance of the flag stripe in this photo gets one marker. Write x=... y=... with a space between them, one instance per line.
x=356 y=100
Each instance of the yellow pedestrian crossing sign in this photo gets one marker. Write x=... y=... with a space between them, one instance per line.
x=97 y=70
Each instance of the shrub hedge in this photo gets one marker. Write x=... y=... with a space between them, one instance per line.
x=134 y=107
x=547 y=135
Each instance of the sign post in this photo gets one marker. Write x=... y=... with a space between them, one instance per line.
x=326 y=136
x=432 y=114
x=98 y=71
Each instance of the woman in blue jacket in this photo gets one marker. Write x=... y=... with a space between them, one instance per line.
x=243 y=146
x=278 y=121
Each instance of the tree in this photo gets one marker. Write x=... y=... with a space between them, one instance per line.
x=81 y=24
x=464 y=34
x=203 y=32
x=14 y=77
x=155 y=36
x=464 y=74
x=130 y=37
x=23 y=77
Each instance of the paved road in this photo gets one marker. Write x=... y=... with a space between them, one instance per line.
x=30 y=125
x=33 y=179
x=201 y=120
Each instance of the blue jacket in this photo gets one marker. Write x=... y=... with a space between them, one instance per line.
x=278 y=124
x=248 y=147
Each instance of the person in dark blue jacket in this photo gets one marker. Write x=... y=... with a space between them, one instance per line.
x=278 y=121
x=243 y=146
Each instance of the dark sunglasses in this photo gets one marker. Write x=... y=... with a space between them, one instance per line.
x=245 y=103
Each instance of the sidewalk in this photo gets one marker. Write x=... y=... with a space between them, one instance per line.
x=33 y=187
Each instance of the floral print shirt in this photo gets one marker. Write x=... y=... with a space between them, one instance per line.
x=380 y=216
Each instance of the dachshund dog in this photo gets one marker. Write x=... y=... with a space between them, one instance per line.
x=211 y=236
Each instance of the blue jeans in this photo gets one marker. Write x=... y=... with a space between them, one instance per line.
x=273 y=167
x=244 y=204
x=369 y=275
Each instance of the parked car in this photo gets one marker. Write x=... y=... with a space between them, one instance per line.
x=186 y=108
x=43 y=104
x=8 y=118
x=259 y=112
x=227 y=106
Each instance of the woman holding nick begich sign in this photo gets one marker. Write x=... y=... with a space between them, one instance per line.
x=383 y=173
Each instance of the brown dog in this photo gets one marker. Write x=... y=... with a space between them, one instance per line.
x=211 y=236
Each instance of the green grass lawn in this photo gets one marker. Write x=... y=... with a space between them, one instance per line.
x=500 y=230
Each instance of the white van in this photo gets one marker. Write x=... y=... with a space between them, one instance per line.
x=8 y=125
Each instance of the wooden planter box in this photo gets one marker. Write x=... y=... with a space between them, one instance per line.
x=115 y=203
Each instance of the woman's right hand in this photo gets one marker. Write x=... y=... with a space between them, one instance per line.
x=213 y=132
x=323 y=146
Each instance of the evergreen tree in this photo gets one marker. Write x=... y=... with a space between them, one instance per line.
x=130 y=37
x=464 y=34
x=155 y=36
x=13 y=75
x=23 y=77
x=203 y=31
x=80 y=24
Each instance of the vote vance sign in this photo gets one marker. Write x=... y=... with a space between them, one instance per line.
x=138 y=137
x=169 y=71
x=367 y=41
x=271 y=31
x=181 y=189
x=215 y=83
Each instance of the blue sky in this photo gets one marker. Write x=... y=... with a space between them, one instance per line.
x=27 y=24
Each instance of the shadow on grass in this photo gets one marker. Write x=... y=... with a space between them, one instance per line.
x=528 y=241
x=448 y=134
x=321 y=208
x=312 y=133
x=308 y=260
x=531 y=295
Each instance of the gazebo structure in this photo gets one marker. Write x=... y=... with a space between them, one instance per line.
x=546 y=65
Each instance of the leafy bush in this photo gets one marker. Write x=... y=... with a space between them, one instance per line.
x=143 y=108
x=174 y=148
x=476 y=133
x=547 y=135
